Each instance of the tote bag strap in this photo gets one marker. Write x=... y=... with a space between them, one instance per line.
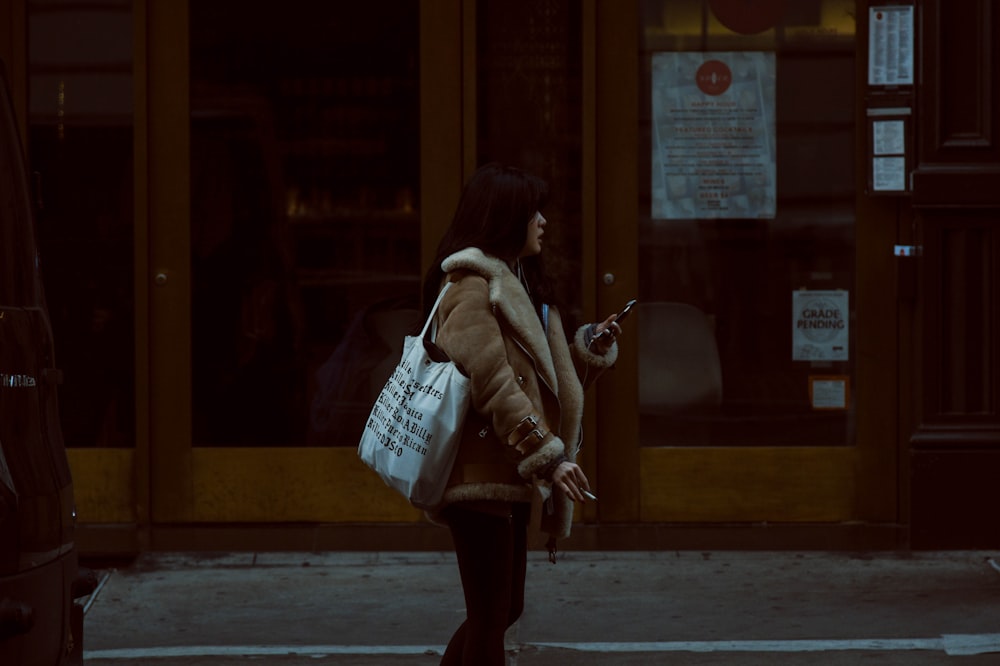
x=430 y=318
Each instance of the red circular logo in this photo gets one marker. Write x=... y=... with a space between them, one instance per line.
x=713 y=77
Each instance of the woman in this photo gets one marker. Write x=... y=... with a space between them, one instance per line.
x=527 y=387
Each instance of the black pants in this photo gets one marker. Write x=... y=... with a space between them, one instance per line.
x=492 y=559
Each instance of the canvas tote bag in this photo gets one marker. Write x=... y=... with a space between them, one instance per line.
x=412 y=434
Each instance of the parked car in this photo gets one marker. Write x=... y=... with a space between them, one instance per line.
x=40 y=624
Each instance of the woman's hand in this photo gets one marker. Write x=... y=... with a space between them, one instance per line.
x=571 y=479
x=602 y=343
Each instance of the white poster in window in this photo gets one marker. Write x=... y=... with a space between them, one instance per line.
x=713 y=137
x=889 y=137
x=890 y=46
x=820 y=330
x=889 y=174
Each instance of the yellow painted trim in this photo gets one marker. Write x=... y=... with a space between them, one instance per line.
x=289 y=485
x=616 y=82
x=103 y=484
x=169 y=306
x=140 y=261
x=776 y=484
x=441 y=133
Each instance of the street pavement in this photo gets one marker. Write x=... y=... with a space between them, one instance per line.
x=665 y=607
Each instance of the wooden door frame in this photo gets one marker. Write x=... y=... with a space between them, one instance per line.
x=167 y=104
x=842 y=484
x=273 y=484
x=616 y=161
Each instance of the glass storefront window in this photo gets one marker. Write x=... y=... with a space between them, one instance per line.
x=529 y=115
x=305 y=231
x=746 y=235
x=80 y=150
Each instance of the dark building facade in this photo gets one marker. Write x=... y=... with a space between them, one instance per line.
x=236 y=206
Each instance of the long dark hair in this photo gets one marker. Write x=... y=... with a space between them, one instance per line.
x=497 y=204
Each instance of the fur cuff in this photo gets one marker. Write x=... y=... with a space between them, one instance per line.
x=590 y=358
x=534 y=463
x=487 y=491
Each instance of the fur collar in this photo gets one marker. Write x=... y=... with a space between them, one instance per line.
x=509 y=299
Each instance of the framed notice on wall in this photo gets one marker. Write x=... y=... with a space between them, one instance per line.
x=713 y=135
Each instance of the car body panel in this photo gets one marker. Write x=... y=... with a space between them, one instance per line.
x=38 y=557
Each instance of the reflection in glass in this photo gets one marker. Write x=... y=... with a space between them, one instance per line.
x=80 y=149
x=529 y=87
x=721 y=358
x=304 y=226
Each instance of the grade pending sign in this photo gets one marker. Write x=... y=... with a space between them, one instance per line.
x=820 y=325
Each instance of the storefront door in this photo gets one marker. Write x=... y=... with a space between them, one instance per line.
x=284 y=252
x=760 y=364
x=707 y=166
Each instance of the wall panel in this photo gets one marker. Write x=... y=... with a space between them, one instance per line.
x=955 y=441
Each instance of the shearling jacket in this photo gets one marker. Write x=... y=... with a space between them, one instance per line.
x=526 y=386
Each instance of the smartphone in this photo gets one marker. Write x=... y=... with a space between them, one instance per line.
x=626 y=310
x=621 y=316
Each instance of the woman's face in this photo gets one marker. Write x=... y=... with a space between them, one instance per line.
x=533 y=241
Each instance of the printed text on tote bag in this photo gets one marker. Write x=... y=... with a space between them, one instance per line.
x=397 y=423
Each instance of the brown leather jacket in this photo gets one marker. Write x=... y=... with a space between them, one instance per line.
x=519 y=372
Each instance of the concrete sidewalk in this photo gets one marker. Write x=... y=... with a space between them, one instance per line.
x=685 y=607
